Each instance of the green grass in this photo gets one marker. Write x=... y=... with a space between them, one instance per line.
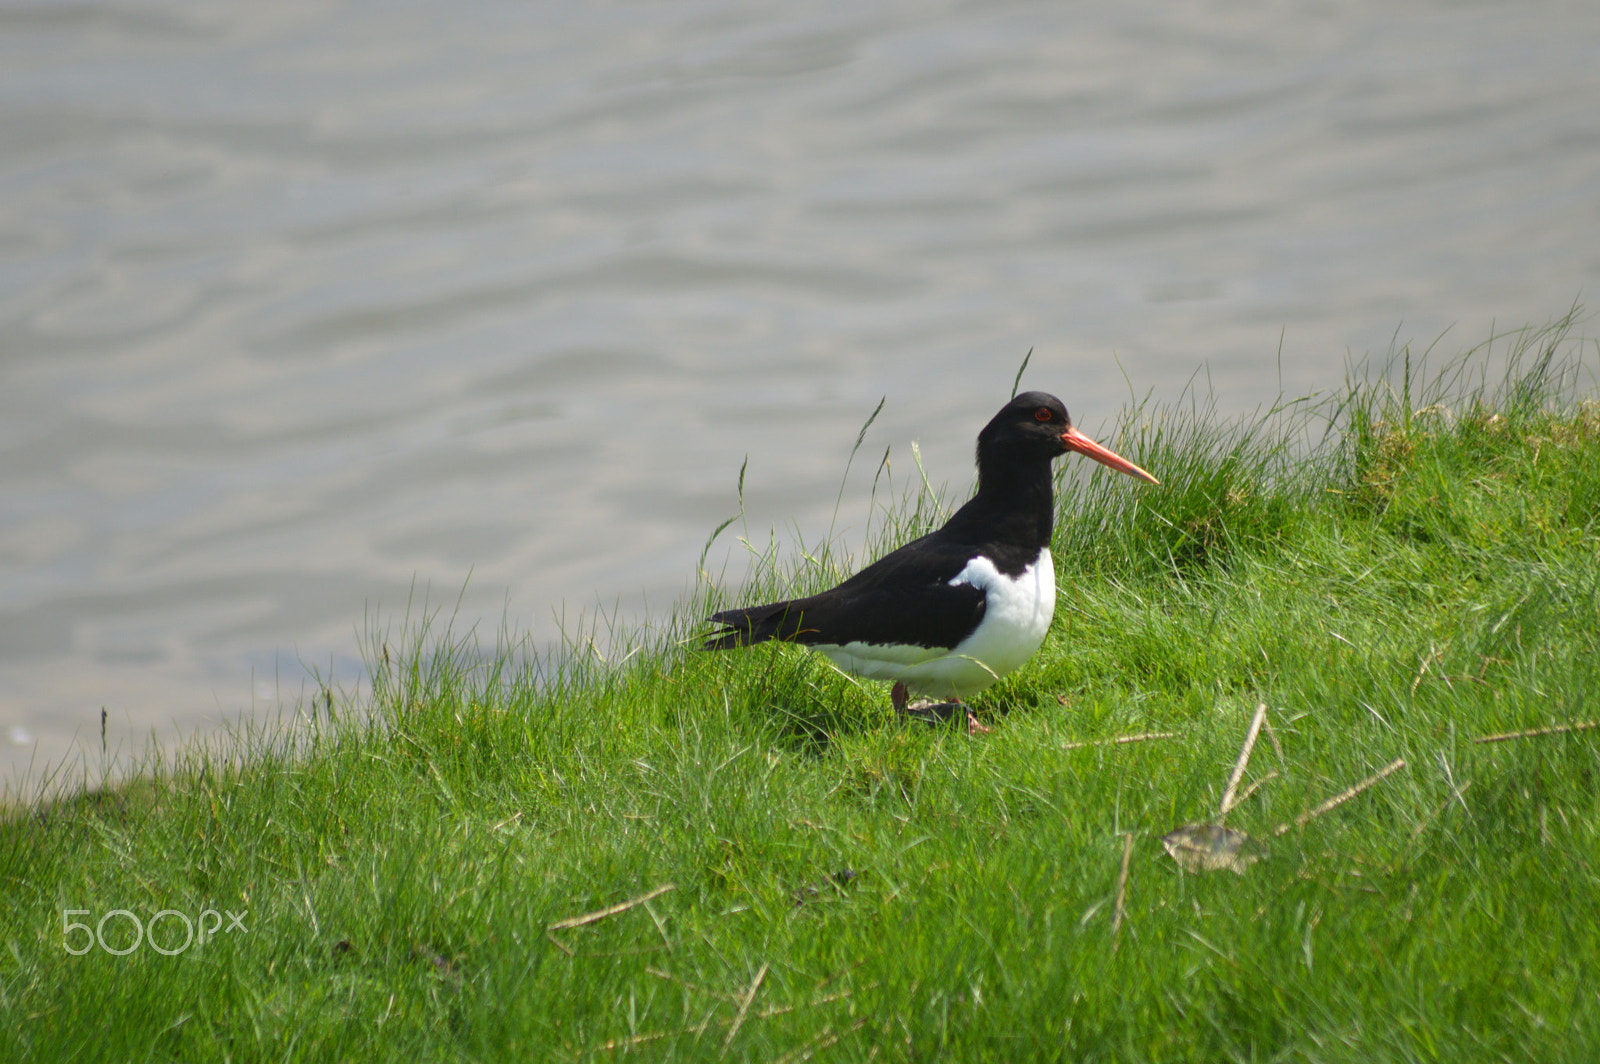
x=1396 y=572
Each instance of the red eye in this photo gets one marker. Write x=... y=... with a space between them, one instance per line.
x=1043 y=414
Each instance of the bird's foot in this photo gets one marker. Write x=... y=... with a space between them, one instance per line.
x=935 y=712
x=976 y=726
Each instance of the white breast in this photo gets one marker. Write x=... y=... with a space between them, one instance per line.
x=1016 y=616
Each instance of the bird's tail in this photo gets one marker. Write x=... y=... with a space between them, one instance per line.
x=754 y=624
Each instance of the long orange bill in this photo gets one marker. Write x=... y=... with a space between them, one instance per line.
x=1073 y=440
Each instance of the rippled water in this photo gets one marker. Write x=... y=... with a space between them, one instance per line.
x=302 y=303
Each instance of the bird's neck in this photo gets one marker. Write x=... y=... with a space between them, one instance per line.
x=1014 y=505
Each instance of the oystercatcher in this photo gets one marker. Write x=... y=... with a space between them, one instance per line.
x=954 y=611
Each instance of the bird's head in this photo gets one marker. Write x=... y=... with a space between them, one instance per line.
x=1036 y=423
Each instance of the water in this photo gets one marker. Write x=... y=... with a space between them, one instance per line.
x=306 y=308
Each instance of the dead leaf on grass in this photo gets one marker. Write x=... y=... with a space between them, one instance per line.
x=1212 y=847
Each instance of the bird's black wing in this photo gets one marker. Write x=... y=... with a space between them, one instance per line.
x=904 y=597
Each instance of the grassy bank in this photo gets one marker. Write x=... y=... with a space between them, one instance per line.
x=687 y=856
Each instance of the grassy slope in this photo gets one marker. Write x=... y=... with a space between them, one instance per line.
x=901 y=892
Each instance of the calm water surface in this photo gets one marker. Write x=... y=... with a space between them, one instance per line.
x=303 y=305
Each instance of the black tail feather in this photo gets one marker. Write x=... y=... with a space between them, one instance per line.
x=754 y=624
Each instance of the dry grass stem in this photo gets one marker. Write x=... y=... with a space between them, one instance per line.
x=701 y=1028
x=652 y=1036
x=823 y=1040
x=512 y=819
x=1244 y=759
x=1272 y=737
x=840 y=996
x=744 y=1007
x=1554 y=729
x=1343 y=796
x=1429 y=658
x=1253 y=788
x=1122 y=885
x=601 y=914
x=669 y=977
x=641 y=1039
x=1119 y=740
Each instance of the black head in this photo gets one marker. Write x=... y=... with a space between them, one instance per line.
x=1029 y=425
x=1035 y=426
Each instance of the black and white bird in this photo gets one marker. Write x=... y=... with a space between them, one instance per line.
x=953 y=612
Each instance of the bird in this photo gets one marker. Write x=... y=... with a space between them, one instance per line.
x=952 y=612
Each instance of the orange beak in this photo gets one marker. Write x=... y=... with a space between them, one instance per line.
x=1073 y=440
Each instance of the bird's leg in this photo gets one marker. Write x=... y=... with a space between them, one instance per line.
x=899 y=697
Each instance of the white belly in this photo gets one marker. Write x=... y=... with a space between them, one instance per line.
x=1016 y=616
